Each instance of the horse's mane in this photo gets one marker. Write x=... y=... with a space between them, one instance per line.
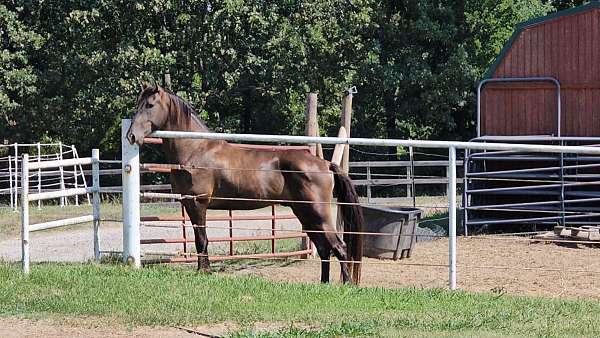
x=181 y=112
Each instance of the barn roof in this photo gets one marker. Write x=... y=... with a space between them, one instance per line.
x=535 y=21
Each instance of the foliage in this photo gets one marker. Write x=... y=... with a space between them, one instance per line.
x=17 y=75
x=492 y=22
x=71 y=69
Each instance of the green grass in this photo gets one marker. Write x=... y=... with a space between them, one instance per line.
x=179 y=296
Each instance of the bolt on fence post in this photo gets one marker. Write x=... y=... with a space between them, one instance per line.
x=96 y=204
x=25 y=213
x=452 y=217
x=131 y=198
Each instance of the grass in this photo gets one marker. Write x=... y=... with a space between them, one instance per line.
x=167 y=295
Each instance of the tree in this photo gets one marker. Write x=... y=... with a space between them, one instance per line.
x=18 y=78
x=492 y=22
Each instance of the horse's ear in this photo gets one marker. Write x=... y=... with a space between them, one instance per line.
x=157 y=87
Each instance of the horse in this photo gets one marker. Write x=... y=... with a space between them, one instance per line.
x=216 y=172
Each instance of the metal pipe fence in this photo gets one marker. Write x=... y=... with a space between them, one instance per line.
x=131 y=170
x=43 y=179
x=27 y=197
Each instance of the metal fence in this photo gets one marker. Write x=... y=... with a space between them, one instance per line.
x=42 y=180
x=27 y=197
x=131 y=186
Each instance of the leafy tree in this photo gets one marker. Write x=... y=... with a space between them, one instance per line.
x=247 y=65
x=18 y=78
x=492 y=22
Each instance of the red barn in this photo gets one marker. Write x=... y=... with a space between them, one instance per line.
x=565 y=46
x=544 y=88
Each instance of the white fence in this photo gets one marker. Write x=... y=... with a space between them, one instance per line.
x=27 y=197
x=59 y=179
x=131 y=174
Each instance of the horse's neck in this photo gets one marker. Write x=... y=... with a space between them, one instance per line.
x=180 y=150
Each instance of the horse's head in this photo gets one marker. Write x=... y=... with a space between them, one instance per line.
x=151 y=114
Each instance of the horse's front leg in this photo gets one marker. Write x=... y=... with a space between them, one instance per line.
x=197 y=213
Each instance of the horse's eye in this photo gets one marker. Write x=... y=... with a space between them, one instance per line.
x=149 y=105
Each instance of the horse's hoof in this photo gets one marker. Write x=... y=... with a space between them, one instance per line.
x=204 y=269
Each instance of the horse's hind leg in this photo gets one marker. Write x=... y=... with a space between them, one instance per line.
x=197 y=213
x=339 y=251
x=324 y=251
x=317 y=217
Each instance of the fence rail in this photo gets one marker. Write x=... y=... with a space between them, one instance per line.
x=11 y=177
x=131 y=177
x=26 y=198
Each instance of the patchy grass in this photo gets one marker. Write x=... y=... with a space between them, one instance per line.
x=177 y=296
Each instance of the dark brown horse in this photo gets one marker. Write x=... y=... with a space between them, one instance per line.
x=221 y=170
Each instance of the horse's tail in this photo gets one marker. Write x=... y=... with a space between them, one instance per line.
x=352 y=217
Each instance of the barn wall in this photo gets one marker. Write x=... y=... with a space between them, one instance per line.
x=567 y=48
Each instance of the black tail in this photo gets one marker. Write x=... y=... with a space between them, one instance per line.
x=352 y=217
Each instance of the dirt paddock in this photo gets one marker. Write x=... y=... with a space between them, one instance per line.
x=509 y=265
x=503 y=265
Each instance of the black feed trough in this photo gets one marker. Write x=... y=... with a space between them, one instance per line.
x=400 y=221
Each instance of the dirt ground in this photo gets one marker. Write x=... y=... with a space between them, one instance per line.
x=17 y=327
x=101 y=328
x=503 y=265
x=506 y=265
x=510 y=265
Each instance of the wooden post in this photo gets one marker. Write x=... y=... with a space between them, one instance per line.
x=168 y=81
x=346 y=121
x=312 y=124
x=312 y=129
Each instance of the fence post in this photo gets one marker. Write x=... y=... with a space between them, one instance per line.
x=464 y=192
x=346 y=123
x=25 y=213
x=273 y=216
x=230 y=222
x=368 y=182
x=131 y=198
x=16 y=145
x=452 y=216
x=346 y=120
x=39 y=174
x=96 y=204
x=75 y=183
x=61 y=169
x=10 y=180
x=413 y=186
x=312 y=124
